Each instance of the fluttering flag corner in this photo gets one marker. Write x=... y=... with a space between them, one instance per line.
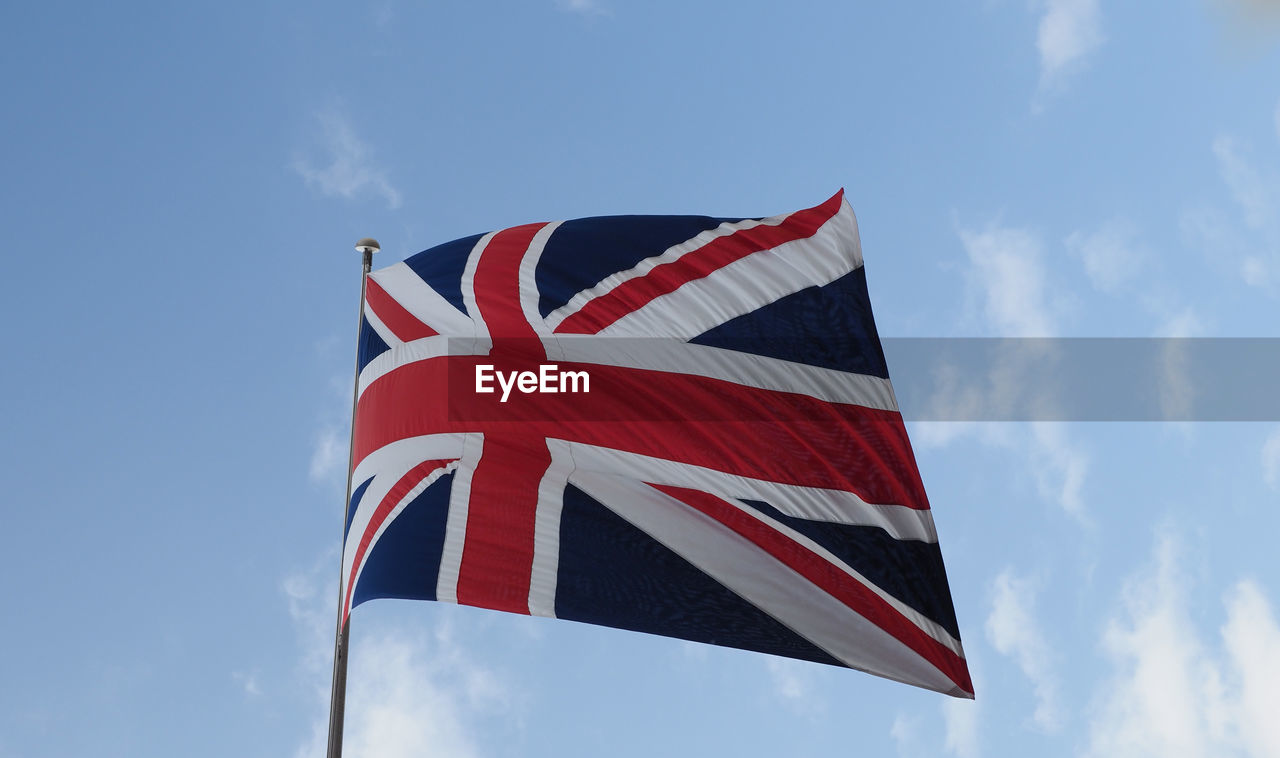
x=679 y=425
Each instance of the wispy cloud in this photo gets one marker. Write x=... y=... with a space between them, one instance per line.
x=1250 y=242
x=1254 y=195
x=416 y=696
x=313 y=613
x=249 y=681
x=1252 y=640
x=1008 y=279
x=1060 y=468
x=794 y=683
x=960 y=719
x=342 y=165
x=583 y=7
x=1111 y=255
x=1069 y=31
x=1271 y=459
x=1013 y=631
x=1172 y=694
x=1176 y=390
x=1157 y=704
x=1008 y=274
x=410 y=692
x=905 y=732
x=327 y=455
x=1118 y=264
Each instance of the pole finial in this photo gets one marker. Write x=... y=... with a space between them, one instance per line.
x=367 y=247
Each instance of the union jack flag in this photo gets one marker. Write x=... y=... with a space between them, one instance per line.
x=732 y=470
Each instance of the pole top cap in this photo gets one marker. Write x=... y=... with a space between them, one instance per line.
x=368 y=245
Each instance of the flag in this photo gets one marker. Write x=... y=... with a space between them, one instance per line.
x=678 y=425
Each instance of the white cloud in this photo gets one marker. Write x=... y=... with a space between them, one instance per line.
x=346 y=168
x=1158 y=702
x=1171 y=695
x=384 y=15
x=1211 y=231
x=1175 y=388
x=961 y=720
x=1271 y=459
x=1250 y=250
x=414 y=697
x=1250 y=190
x=1007 y=277
x=1255 y=272
x=794 y=684
x=584 y=7
x=313 y=613
x=788 y=680
x=1057 y=464
x=1009 y=270
x=1060 y=467
x=1113 y=259
x=249 y=681
x=1013 y=631
x=409 y=693
x=1070 y=30
x=1111 y=255
x=327 y=456
x=904 y=732
x=1252 y=640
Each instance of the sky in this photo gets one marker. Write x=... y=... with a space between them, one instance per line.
x=184 y=186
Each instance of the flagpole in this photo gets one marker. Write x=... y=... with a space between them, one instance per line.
x=338 y=694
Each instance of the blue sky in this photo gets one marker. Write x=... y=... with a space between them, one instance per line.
x=184 y=186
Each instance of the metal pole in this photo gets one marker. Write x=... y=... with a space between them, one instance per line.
x=338 y=695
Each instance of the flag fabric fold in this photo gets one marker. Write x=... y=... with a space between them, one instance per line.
x=679 y=425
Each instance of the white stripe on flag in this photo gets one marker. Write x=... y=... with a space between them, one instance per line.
x=813 y=503
x=478 y=327
x=455 y=530
x=529 y=295
x=671 y=254
x=746 y=369
x=546 y=531
x=748 y=283
x=420 y=299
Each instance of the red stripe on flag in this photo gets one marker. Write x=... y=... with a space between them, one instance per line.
x=857 y=596
x=762 y=434
x=403 y=324
x=497 y=282
x=633 y=294
x=398 y=491
x=497 y=557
